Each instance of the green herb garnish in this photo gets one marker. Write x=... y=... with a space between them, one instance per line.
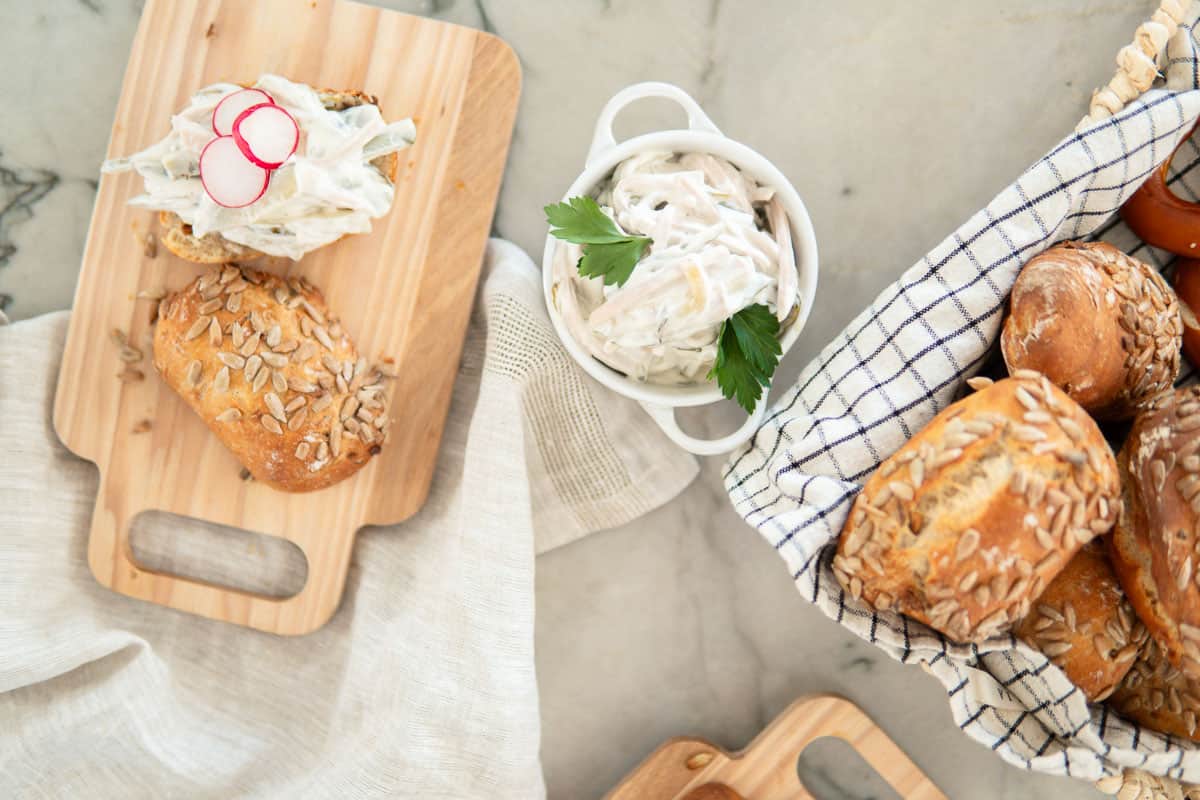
x=608 y=252
x=748 y=351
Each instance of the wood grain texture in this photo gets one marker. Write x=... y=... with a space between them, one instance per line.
x=766 y=769
x=405 y=290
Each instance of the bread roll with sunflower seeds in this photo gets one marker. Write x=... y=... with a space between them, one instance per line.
x=965 y=525
x=274 y=375
x=1102 y=326
x=1158 y=696
x=1085 y=625
x=1156 y=544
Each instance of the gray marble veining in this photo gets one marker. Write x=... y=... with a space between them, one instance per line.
x=895 y=121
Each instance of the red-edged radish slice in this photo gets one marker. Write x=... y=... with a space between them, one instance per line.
x=232 y=105
x=267 y=134
x=230 y=179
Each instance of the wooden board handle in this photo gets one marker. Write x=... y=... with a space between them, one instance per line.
x=110 y=557
x=767 y=768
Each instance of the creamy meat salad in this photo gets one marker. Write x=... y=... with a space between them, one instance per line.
x=325 y=190
x=721 y=243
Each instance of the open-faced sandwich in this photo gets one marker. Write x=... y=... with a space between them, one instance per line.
x=277 y=168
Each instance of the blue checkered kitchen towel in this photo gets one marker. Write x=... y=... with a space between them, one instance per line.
x=903 y=360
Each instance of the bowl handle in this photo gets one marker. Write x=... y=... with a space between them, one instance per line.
x=665 y=417
x=603 y=140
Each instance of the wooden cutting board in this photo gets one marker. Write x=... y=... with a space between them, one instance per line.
x=691 y=769
x=405 y=290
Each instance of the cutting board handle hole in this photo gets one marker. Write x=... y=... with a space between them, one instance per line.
x=229 y=557
x=830 y=769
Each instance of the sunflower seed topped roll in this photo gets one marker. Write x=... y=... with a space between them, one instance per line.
x=1099 y=324
x=1159 y=696
x=1085 y=625
x=272 y=372
x=965 y=525
x=1156 y=544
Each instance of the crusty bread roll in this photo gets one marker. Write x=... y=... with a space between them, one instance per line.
x=970 y=520
x=1187 y=292
x=213 y=248
x=1084 y=624
x=1156 y=543
x=1158 y=696
x=274 y=375
x=1102 y=326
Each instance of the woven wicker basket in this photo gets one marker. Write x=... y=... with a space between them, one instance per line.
x=903 y=359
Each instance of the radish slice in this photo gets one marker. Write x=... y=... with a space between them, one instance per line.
x=230 y=180
x=267 y=134
x=232 y=105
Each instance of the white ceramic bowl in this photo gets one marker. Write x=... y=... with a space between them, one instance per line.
x=701 y=136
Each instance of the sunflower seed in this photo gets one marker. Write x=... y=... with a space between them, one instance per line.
x=1056 y=649
x=381 y=422
x=967 y=543
x=198 y=327
x=303 y=353
x=335 y=439
x=273 y=336
x=322 y=402
x=275 y=406
x=340 y=382
x=1028 y=433
x=221 y=382
x=297 y=419
x=260 y=379
x=271 y=424
x=237 y=335
x=322 y=450
x=313 y=312
x=351 y=406
x=301 y=385
x=257 y=322
x=1026 y=399
x=236 y=287
x=192 y=376
x=286 y=346
x=302 y=451
x=229 y=415
x=252 y=365
x=330 y=363
x=322 y=336
x=210 y=306
x=295 y=403
x=231 y=360
x=251 y=344
x=278 y=382
x=274 y=360
x=210 y=292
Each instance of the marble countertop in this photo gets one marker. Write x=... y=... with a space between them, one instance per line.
x=895 y=121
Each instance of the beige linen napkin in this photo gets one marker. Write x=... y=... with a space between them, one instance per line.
x=422 y=685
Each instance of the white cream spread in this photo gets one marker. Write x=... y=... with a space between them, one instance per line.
x=325 y=190
x=721 y=243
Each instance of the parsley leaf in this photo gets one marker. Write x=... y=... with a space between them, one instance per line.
x=747 y=354
x=608 y=252
x=614 y=262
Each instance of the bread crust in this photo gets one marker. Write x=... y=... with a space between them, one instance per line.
x=1085 y=625
x=1102 y=326
x=213 y=248
x=964 y=526
x=267 y=389
x=1156 y=543
x=1158 y=696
